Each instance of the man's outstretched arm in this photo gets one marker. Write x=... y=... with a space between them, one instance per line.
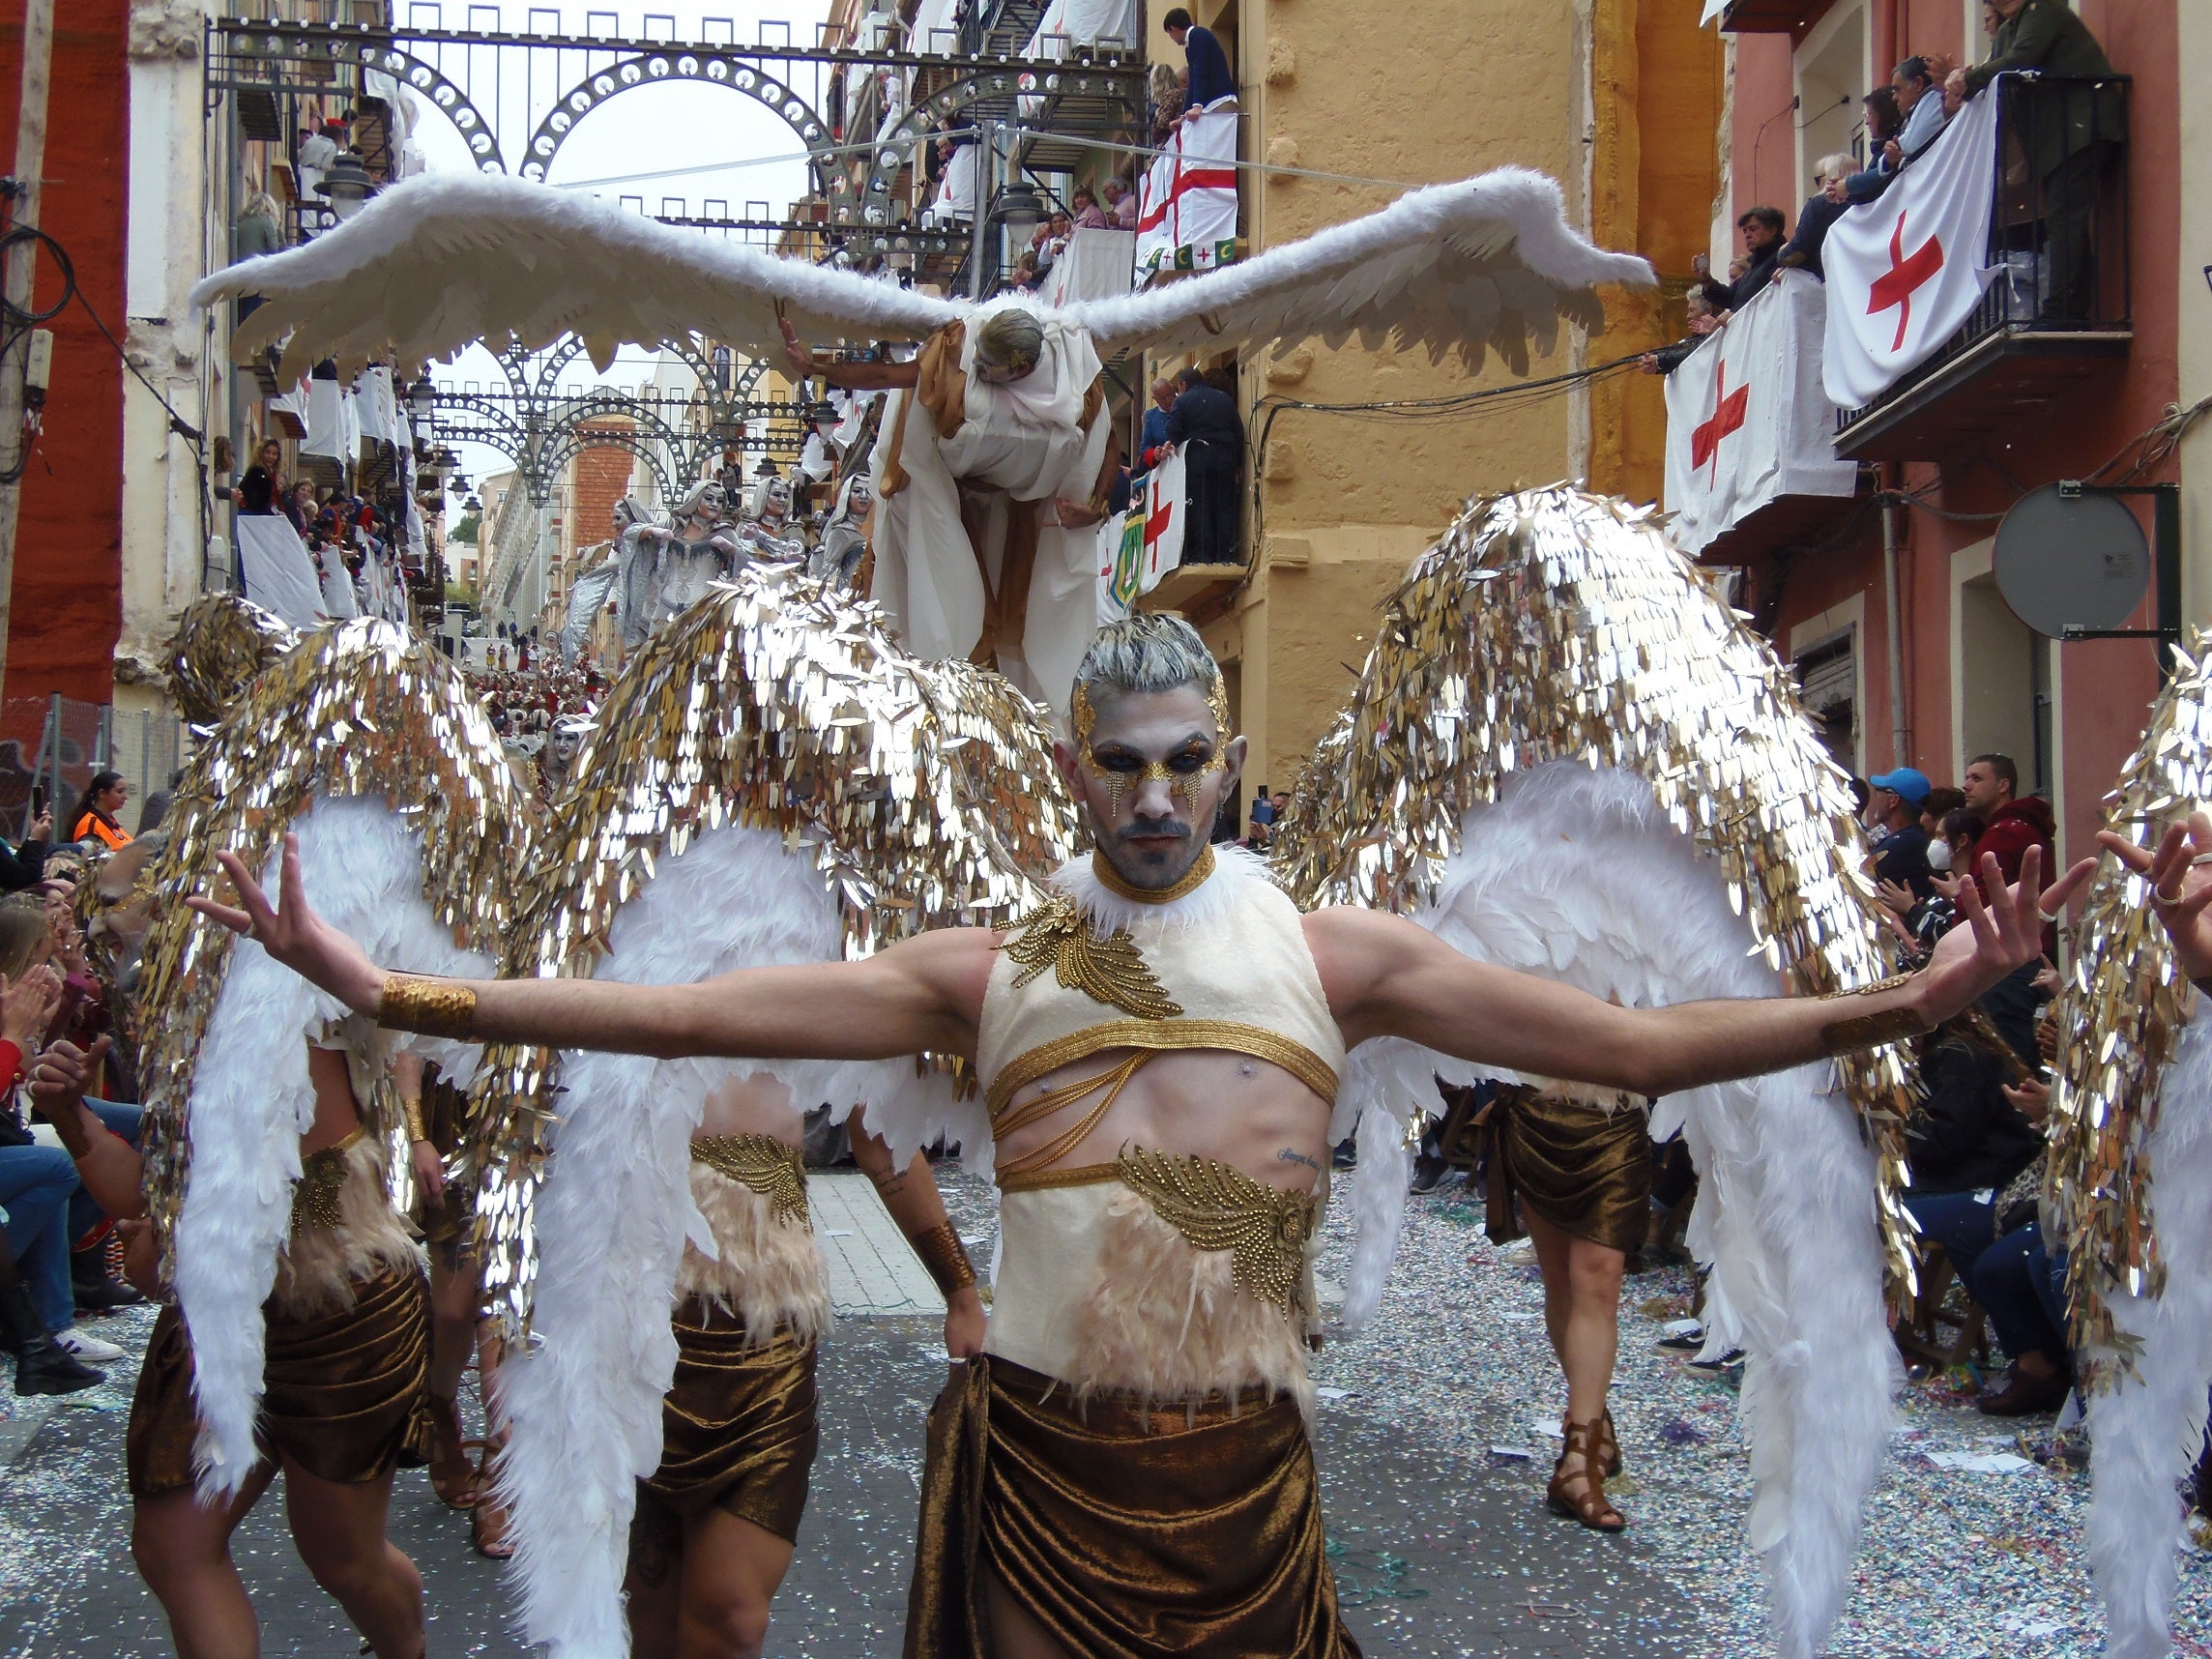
x=1387 y=977
x=923 y=993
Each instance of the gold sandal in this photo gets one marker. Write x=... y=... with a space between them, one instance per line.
x=488 y=1518
x=452 y=1477
x=1580 y=1462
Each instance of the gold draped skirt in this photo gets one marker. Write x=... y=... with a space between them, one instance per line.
x=1125 y=1532
x=1583 y=1169
x=738 y=1433
x=345 y=1394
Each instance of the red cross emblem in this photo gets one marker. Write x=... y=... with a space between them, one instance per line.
x=1728 y=417
x=1908 y=272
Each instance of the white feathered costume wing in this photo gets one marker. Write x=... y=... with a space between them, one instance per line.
x=251 y=1100
x=365 y=744
x=2128 y=1186
x=763 y=773
x=1566 y=756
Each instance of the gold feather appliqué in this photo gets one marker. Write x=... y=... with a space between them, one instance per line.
x=1218 y=1206
x=1056 y=935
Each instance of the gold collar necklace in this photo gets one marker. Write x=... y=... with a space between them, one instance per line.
x=1193 y=879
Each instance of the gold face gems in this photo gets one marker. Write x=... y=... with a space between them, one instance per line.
x=1191 y=785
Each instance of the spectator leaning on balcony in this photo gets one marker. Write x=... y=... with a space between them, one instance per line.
x=1089 y=215
x=1153 y=435
x=1827 y=204
x=1702 y=321
x=1211 y=79
x=1205 y=426
x=1120 y=204
x=2065 y=131
x=1761 y=230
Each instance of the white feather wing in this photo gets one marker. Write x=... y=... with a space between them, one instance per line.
x=1490 y=262
x=361 y=866
x=443 y=260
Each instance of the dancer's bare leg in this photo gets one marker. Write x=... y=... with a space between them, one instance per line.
x=1014 y=1634
x=453 y=1321
x=183 y=1552
x=729 y=1574
x=1582 y=1311
x=339 y=1530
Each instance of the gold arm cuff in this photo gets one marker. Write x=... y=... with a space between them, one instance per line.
x=412 y=1111
x=946 y=1257
x=432 y=1007
x=1872 y=1031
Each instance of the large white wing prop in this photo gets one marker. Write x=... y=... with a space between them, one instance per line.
x=366 y=742
x=444 y=260
x=2130 y=1182
x=1490 y=261
x=1568 y=756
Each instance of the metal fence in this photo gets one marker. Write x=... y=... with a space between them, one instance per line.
x=56 y=743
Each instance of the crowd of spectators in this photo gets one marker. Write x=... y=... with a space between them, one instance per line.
x=1901 y=119
x=64 y=969
x=1975 y=1145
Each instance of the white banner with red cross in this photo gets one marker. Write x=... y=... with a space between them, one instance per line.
x=1186 y=203
x=1747 y=422
x=1907 y=269
x=1138 y=548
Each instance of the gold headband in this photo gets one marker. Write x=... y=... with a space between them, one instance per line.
x=1083 y=717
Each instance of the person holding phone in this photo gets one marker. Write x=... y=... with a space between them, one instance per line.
x=25 y=865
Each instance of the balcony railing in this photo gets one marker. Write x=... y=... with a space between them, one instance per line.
x=2058 y=243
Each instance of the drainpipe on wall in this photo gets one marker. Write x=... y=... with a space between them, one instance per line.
x=1894 y=627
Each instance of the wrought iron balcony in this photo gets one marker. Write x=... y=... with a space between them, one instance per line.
x=2057 y=309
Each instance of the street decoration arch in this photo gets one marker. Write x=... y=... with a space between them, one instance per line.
x=672 y=68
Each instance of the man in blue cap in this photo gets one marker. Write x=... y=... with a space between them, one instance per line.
x=1893 y=827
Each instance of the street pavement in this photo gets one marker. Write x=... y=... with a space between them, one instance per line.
x=1435 y=1554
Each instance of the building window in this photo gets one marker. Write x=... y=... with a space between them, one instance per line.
x=2004 y=694
x=1828 y=681
x=1834 y=69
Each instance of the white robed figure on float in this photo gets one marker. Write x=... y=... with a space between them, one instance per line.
x=998 y=425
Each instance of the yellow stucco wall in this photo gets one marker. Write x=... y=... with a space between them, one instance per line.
x=1429 y=91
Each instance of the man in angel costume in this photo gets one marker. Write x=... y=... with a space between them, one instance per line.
x=296 y=1341
x=663 y=1411
x=1127 y=1466
x=991 y=458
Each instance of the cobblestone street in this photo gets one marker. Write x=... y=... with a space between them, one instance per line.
x=1432 y=1443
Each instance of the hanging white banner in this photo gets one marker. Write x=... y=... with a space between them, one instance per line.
x=1907 y=269
x=1136 y=548
x=1186 y=207
x=277 y=572
x=1747 y=420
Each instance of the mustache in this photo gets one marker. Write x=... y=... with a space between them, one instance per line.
x=1181 y=831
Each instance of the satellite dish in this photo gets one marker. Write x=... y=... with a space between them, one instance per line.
x=2068 y=557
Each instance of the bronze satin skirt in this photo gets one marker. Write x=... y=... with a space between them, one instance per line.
x=1123 y=1533
x=345 y=1395
x=1584 y=1170
x=738 y=1431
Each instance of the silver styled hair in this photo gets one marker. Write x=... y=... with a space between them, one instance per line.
x=1146 y=651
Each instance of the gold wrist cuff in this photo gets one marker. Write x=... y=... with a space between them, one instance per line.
x=1872 y=1031
x=412 y=1111
x=433 y=1007
x=946 y=1257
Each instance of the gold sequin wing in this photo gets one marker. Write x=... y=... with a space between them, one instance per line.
x=1111 y=971
x=1218 y=1207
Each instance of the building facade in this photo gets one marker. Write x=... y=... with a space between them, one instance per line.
x=2026 y=396
x=1600 y=94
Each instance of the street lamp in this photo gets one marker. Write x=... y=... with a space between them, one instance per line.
x=347 y=185
x=1020 y=208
